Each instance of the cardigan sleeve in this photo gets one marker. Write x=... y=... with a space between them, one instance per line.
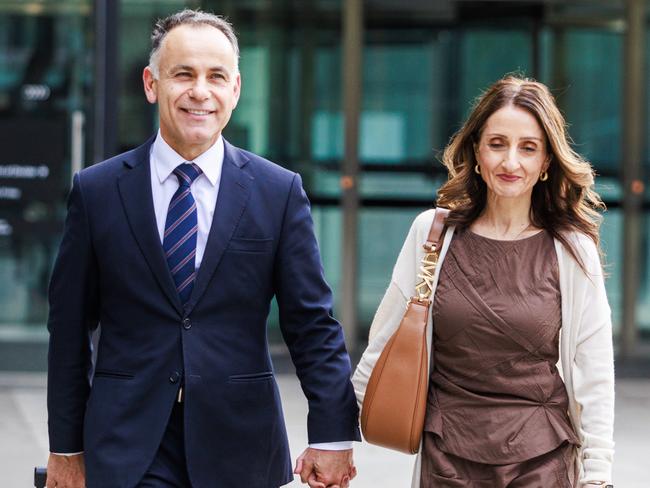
x=393 y=305
x=593 y=369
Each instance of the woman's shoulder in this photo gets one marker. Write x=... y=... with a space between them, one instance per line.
x=585 y=247
x=583 y=243
x=423 y=220
x=421 y=227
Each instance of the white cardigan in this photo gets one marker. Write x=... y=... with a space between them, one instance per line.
x=586 y=354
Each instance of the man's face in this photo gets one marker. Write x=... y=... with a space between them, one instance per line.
x=197 y=89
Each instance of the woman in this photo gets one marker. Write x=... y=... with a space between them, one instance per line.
x=521 y=389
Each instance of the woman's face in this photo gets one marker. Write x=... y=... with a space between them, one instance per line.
x=511 y=153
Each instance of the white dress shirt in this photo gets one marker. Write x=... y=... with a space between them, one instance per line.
x=205 y=188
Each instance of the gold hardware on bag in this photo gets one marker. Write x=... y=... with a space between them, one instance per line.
x=424 y=288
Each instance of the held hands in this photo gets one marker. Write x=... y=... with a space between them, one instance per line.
x=326 y=469
x=66 y=471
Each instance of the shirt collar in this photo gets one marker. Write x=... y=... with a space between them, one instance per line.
x=166 y=159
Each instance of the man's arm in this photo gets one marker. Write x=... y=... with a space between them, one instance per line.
x=73 y=315
x=314 y=337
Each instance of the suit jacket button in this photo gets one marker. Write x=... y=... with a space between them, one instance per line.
x=187 y=324
x=174 y=377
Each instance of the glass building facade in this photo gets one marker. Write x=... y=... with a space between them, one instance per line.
x=71 y=94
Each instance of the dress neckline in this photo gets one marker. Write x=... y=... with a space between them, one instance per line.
x=505 y=241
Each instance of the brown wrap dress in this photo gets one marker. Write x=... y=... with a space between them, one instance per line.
x=497 y=408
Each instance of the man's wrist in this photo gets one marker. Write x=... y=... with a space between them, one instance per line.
x=333 y=446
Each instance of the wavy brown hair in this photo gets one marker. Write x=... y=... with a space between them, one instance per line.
x=565 y=202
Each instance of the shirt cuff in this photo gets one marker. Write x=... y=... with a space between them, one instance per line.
x=67 y=453
x=333 y=446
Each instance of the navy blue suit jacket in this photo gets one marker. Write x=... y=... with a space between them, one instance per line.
x=111 y=270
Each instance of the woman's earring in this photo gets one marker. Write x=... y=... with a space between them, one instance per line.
x=477 y=169
x=543 y=176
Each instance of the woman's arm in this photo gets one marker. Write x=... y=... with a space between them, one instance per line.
x=387 y=319
x=593 y=371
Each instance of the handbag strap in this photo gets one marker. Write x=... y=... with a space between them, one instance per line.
x=435 y=238
x=424 y=288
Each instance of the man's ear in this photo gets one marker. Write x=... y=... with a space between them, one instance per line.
x=150 y=82
x=237 y=90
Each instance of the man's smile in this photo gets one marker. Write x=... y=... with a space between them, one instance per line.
x=196 y=111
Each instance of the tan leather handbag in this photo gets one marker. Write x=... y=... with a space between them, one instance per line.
x=393 y=408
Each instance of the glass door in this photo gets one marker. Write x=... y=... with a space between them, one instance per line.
x=45 y=88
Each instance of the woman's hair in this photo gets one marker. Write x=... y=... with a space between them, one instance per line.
x=565 y=202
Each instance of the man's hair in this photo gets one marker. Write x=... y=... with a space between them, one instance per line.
x=188 y=17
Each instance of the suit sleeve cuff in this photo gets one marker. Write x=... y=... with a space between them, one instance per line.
x=333 y=446
x=67 y=453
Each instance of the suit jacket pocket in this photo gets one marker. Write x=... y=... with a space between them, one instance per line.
x=252 y=377
x=111 y=373
x=244 y=244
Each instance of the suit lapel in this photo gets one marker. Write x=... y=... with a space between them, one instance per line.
x=234 y=190
x=135 y=191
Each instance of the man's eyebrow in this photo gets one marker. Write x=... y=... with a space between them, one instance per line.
x=181 y=67
x=220 y=69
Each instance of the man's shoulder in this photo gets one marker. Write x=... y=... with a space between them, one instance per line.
x=103 y=169
x=263 y=165
x=114 y=166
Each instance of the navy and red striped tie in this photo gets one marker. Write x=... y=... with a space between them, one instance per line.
x=181 y=227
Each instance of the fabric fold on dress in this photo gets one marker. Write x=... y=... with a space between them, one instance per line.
x=496 y=396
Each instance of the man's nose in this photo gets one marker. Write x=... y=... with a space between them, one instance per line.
x=200 y=89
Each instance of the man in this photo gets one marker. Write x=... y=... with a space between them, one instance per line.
x=176 y=248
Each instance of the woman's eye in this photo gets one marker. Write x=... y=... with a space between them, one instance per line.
x=496 y=145
x=529 y=149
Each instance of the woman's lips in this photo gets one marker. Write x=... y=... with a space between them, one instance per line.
x=508 y=178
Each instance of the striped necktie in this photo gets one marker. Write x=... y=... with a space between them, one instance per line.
x=179 y=241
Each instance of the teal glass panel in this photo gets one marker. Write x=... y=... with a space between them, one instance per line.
x=400 y=186
x=643 y=307
x=328 y=226
x=249 y=124
x=327 y=119
x=378 y=251
x=584 y=69
x=611 y=235
x=402 y=93
x=489 y=54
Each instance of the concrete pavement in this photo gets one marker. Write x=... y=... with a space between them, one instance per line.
x=23 y=435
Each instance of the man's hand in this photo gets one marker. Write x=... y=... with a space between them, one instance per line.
x=326 y=469
x=66 y=471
